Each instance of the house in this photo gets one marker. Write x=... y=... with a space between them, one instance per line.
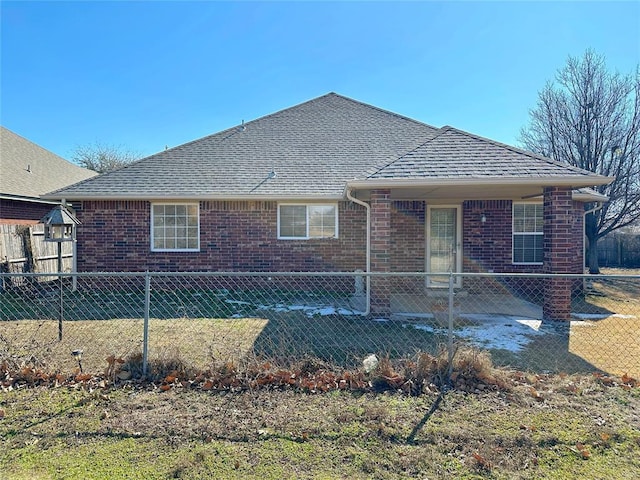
x=334 y=184
x=27 y=171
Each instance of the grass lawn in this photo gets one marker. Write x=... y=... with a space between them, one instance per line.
x=560 y=427
x=536 y=425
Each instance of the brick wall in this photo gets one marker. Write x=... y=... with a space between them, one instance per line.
x=562 y=250
x=16 y=210
x=408 y=236
x=487 y=246
x=242 y=236
x=234 y=236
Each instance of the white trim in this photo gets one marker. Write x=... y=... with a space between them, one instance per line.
x=458 y=250
x=151 y=235
x=307 y=205
x=18 y=198
x=575 y=181
x=514 y=233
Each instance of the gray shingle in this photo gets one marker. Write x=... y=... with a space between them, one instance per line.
x=28 y=170
x=457 y=154
x=315 y=148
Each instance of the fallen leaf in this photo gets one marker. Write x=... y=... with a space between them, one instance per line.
x=208 y=385
x=535 y=394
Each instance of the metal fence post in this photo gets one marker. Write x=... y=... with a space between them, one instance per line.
x=450 y=327
x=145 y=334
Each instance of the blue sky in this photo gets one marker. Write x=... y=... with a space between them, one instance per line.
x=148 y=74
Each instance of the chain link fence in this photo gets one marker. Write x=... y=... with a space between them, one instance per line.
x=128 y=323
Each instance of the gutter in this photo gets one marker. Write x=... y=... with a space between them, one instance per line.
x=549 y=181
x=368 y=249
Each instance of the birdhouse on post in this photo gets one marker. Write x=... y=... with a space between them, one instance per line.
x=60 y=226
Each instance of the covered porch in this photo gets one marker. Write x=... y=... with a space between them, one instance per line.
x=447 y=231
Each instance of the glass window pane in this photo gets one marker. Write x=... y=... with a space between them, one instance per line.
x=174 y=226
x=528 y=248
x=322 y=220
x=293 y=221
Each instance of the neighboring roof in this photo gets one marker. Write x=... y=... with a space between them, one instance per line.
x=312 y=150
x=29 y=171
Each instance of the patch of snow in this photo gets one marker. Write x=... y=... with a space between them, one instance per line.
x=600 y=316
x=495 y=331
x=308 y=310
x=426 y=328
x=531 y=323
x=237 y=302
x=325 y=311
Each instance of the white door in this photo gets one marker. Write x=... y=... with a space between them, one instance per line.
x=443 y=244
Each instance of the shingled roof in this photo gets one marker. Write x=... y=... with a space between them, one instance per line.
x=29 y=171
x=311 y=151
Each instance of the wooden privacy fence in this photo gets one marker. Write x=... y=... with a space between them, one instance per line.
x=619 y=250
x=23 y=250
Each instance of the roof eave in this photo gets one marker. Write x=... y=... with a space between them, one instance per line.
x=21 y=198
x=558 y=181
x=157 y=197
x=589 y=197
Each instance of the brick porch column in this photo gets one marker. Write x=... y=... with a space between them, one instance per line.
x=559 y=252
x=380 y=251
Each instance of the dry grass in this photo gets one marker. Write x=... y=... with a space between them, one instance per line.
x=197 y=341
x=608 y=343
x=557 y=427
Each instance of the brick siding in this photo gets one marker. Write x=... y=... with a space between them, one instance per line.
x=234 y=236
x=562 y=250
x=12 y=210
x=242 y=236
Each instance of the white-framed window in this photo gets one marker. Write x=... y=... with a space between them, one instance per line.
x=175 y=227
x=297 y=221
x=528 y=222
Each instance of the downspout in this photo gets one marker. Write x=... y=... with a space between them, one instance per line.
x=368 y=250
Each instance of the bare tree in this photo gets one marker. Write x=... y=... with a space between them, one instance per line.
x=590 y=118
x=102 y=157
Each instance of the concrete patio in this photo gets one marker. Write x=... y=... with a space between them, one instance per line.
x=435 y=304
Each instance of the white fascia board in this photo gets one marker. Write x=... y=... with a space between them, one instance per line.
x=18 y=198
x=569 y=181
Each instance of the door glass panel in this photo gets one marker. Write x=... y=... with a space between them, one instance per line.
x=442 y=243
